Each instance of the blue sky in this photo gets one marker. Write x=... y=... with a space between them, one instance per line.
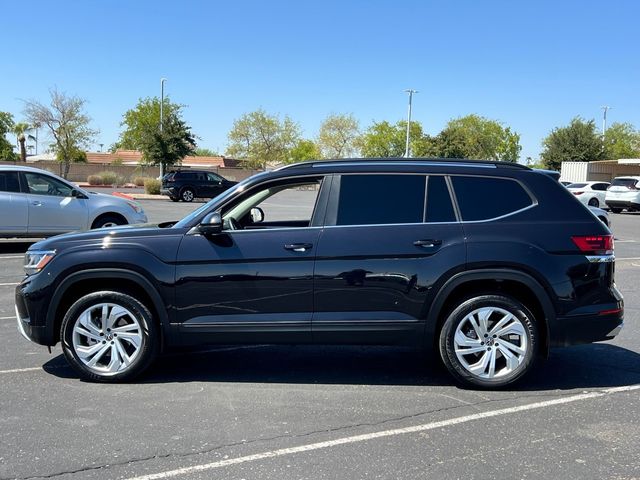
x=531 y=65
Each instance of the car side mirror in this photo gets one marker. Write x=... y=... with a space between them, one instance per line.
x=211 y=224
x=257 y=215
x=78 y=194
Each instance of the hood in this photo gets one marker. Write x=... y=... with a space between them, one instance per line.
x=106 y=235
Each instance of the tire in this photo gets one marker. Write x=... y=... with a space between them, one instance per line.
x=616 y=210
x=85 y=328
x=106 y=221
x=187 y=195
x=594 y=202
x=458 y=335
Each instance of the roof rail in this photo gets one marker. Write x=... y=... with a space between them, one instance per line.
x=463 y=162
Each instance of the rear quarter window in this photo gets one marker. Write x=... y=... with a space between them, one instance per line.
x=483 y=198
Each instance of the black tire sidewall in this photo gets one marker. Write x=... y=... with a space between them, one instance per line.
x=102 y=220
x=149 y=335
x=447 y=348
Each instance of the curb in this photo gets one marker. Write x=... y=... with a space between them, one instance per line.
x=123 y=195
x=140 y=196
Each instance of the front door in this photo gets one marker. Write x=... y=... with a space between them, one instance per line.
x=52 y=208
x=385 y=244
x=253 y=282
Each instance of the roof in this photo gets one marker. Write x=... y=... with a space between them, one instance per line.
x=401 y=161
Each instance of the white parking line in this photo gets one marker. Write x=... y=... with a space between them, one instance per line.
x=3 y=257
x=8 y=318
x=21 y=370
x=385 y=433
x=628 y=258
x=12 y=284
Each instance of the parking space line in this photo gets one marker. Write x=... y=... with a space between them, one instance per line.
x=382 y=434
x=2 y=257
x=628 y=258
x=8 y=318
x=21 y=370
x=13 y=284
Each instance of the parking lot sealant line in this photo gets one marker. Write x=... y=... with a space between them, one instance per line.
x=383 y=434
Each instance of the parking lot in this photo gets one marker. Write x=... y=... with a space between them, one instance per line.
x=306 y=412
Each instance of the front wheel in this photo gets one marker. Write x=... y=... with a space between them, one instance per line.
x=489 y=341
x=109 y=337
x=594 y=202
x=108 y=221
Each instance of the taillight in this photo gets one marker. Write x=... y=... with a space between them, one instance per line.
x=578 y=193
x=594 y=244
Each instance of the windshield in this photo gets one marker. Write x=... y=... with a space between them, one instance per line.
x=186 y=221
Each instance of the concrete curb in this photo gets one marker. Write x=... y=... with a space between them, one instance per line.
x=140 y=196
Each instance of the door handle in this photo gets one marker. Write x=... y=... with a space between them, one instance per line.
x=37 y=203
x=298 y=247
x=427 y=243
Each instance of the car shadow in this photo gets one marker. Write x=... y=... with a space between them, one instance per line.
x=586 y=366
x=16 y=246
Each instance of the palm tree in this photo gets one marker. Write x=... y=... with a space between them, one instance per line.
x=19 y=129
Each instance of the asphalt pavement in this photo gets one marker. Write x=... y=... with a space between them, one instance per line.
x=308 y=412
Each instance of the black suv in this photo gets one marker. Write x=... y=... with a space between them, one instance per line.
x=488 y=263
x=186 y=185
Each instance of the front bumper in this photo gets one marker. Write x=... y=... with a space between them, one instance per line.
x=31 y=307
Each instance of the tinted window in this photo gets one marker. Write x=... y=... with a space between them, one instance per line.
x=439 y=207
x=381 y=199
x=600 y=186
x=213 y=177
x=577 y=185
x=481 y=198
x=9 y=182
x=623 y=182
x=186 y=176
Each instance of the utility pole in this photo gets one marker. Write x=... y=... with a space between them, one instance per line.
x=162 y=80
x=605 y=108
x=407 y=150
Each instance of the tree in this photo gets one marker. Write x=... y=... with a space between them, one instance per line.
x=621 y=140
x=67 y=123
x=20 y=129
x=577 y=142
x=142 y=132
x=383 y=139
x=258 y=139
x=143 y=119
x=6 y=126
x=303 y=151
x=338 y=136
x=205 y=152
x=476 y=137
x=169 y=146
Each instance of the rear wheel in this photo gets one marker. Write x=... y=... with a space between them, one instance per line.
x=109 y=337
x=187 y=195
x=594 y=202
x=489 y=341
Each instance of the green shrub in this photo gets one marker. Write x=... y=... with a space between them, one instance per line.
x=152 y=186
x=94 y=180
x=120 y=180
x=139 y=181
x=108 y=178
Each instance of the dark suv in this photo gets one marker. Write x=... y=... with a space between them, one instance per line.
x=186 y=185
x=489 y=263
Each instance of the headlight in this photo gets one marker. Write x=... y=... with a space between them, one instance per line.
x=36 y=260
x=136 y=208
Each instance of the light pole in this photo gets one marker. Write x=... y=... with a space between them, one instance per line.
x=162 y=80
x=407 y=150
x=605 y=108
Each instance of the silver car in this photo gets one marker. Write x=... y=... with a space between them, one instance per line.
x=37 y=203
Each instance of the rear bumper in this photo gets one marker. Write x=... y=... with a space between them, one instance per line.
x=622 y=204
x=171 y=192
x=595 y=328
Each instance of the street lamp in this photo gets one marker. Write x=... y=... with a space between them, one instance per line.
x=407 y=151
x=162 y=80
x=605 y=108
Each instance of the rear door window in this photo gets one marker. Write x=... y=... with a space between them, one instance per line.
x=439 y=206
x=9 y=182
x=381 y=199
x=624 y=182
x=483 y=198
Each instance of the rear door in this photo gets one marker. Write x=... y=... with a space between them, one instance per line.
x=52 y=209
x=388 y=239
x=14 y=209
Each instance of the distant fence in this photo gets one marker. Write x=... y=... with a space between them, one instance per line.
x=78 y=172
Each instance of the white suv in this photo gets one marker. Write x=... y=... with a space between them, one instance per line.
x=624 y=192
x=36 y=203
